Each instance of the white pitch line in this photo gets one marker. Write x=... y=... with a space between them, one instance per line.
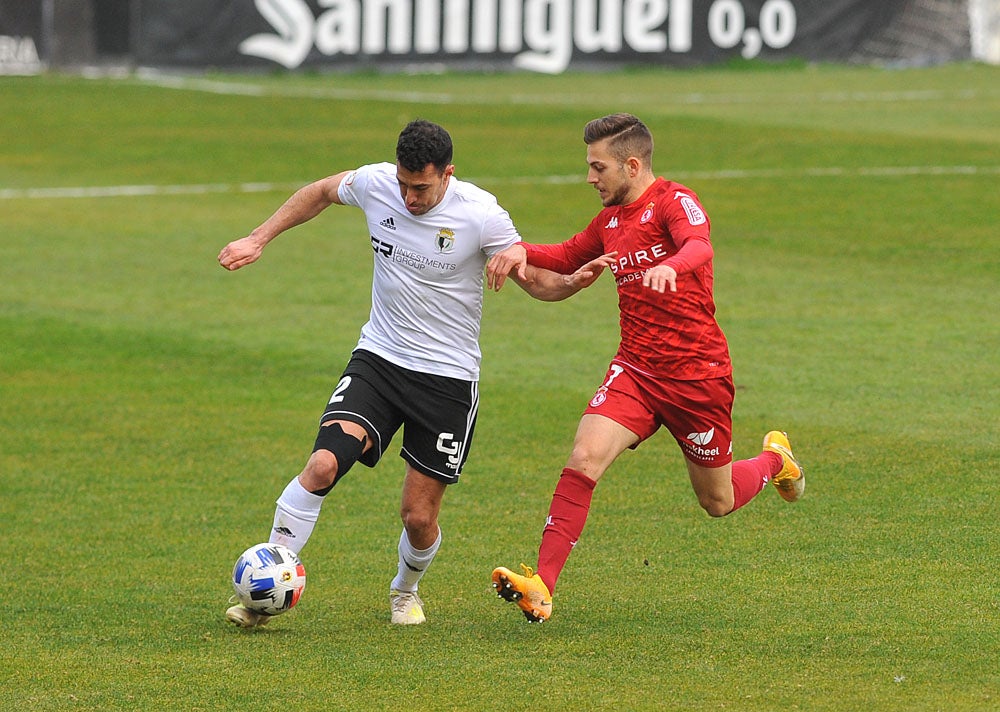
x=210 y=86
x=131 y=191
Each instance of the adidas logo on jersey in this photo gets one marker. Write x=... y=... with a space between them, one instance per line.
x=388 y=223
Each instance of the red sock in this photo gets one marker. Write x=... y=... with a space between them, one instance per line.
x=750 y=477
x=567 y=515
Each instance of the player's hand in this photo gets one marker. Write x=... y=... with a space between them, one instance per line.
x=659 y=278
x=240 y=253
x=588 y=273
x=500 y=265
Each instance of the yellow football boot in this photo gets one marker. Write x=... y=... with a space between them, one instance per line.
x=528 y=592
x=791 y=481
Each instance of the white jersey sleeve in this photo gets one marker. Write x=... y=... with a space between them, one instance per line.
x=427 y=283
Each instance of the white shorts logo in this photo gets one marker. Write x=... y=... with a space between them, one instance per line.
x=450 y=447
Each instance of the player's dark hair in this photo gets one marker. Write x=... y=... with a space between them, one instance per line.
x=423 y=143
x=628 y=137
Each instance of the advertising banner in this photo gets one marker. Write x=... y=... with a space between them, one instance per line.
x=21 y=37
x=536 y=35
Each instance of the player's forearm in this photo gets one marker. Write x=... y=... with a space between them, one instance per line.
x=551 y=257
x=547 y=286
x=692 y=255
x=305 y=204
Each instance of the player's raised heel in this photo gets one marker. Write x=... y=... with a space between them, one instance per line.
x=529 y=592
x=243 y=617
x=791 y=481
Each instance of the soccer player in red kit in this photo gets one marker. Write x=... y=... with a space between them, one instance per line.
x=672 y=368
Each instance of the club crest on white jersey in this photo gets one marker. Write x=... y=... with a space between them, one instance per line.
x=445 y=240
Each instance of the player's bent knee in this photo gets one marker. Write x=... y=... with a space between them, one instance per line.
x=344 y=448
x=716 y=507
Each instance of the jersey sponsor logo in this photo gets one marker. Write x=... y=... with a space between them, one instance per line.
x=445 y=240
x=350 y=177
x=381 y=247
x=647 y=214
x=630 y=277
x=409 y=258
x=695 y=215
x=388 y=223
x=612 y=223
x=639 y=259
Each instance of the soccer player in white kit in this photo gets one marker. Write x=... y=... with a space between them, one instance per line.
x=416 y=364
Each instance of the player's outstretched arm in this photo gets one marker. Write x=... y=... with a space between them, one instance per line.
x=549 y=286
x=305 y=204
x=693 y=253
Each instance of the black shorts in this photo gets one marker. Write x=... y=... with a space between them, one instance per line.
x=437 y=414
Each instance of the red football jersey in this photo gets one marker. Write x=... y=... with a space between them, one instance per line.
x=674 y=334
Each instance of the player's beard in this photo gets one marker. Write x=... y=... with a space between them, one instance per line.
x=617 y=198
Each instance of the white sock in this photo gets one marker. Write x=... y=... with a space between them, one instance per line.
x=295 y=516
x=413 y=563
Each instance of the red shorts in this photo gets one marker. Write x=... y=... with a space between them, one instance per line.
x=699 y=414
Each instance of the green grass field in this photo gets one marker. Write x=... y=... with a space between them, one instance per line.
x=153 y=405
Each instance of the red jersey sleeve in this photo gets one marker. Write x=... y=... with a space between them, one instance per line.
x=567 y=257
x=689 y=227
x=694 y=252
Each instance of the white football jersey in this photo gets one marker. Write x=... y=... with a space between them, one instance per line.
x=427 y=286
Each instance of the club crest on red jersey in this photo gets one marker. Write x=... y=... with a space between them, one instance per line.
x=647 y=214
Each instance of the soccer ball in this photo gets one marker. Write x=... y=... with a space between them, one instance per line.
x=269 y=578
